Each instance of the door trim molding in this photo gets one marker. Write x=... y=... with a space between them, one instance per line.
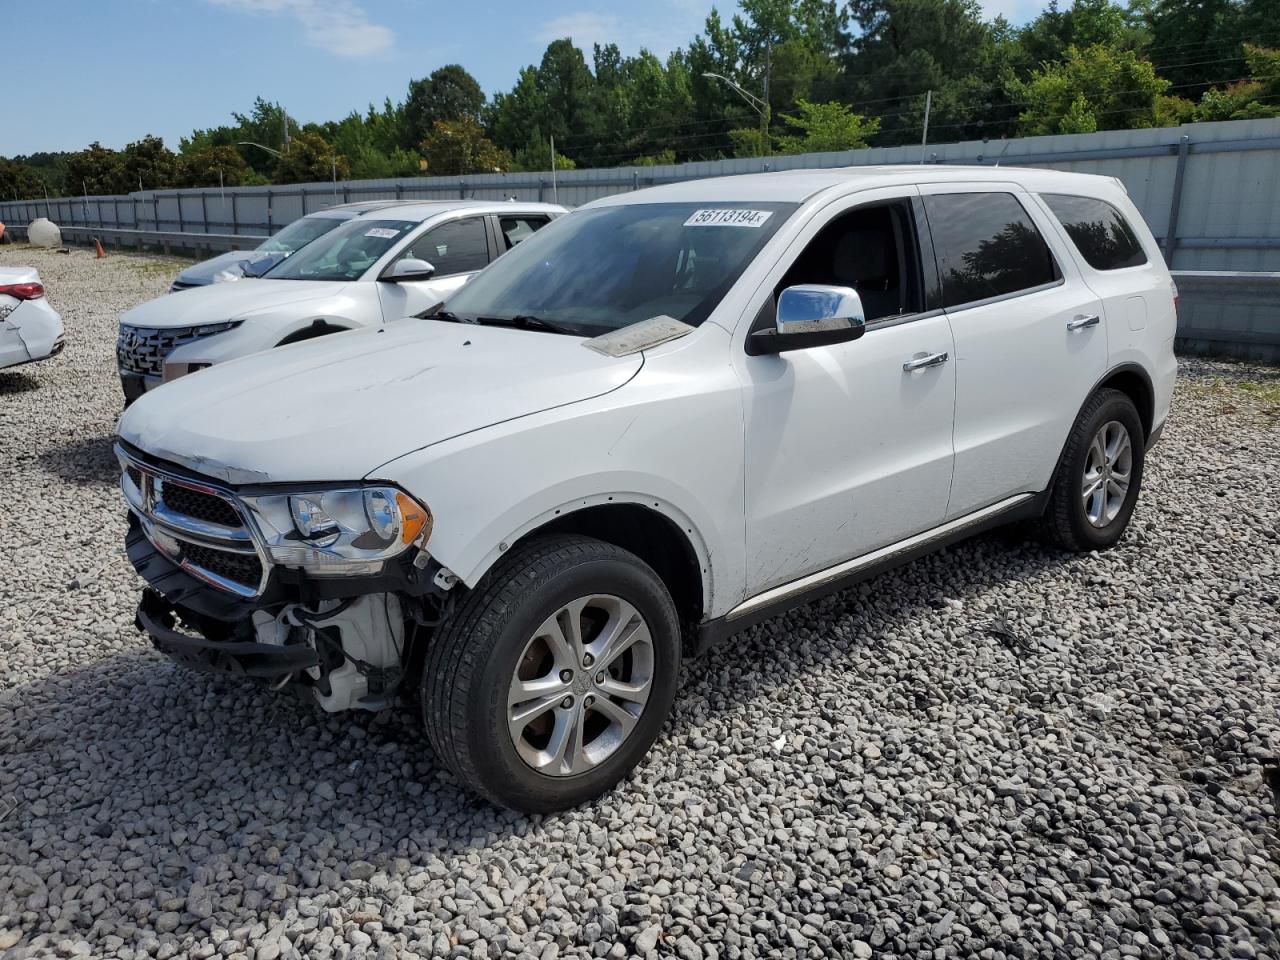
x=831 y=579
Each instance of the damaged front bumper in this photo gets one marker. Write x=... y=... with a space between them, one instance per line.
x=217 y=603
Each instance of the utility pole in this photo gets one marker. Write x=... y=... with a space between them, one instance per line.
x=924 y=139
x=286 y=129
x=765 y=113
x=555 y=197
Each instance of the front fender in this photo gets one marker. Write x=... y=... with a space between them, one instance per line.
x=670 y=443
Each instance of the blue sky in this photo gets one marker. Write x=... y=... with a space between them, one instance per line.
x=120 y=69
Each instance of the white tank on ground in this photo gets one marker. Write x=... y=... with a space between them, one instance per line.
x=44 y=233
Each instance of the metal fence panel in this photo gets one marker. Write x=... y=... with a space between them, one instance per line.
x=1214 y=186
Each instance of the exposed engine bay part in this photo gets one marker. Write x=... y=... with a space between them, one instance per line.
x=359 y=642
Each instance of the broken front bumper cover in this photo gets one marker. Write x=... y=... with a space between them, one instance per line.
x=158 y=618
x=223 y=639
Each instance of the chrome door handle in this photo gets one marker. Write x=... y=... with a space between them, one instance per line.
x=933 y=360
x=1079 y=323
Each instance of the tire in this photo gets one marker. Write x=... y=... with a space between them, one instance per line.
x=506 y=631
x=1069 y=521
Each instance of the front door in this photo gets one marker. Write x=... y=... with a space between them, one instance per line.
x=849 y=446
x=457 y=249
x=1029 y=341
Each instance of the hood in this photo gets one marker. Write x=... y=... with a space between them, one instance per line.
x=227 y=301
x=205 y=271
x=336 y=408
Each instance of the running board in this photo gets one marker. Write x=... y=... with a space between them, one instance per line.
x=832 y=579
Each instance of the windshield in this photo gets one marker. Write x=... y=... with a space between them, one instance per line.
x=603 y=268
x=299 y=233
x=343 y=253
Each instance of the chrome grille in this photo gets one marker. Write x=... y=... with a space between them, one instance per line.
x=142 y=350
x=197 y=526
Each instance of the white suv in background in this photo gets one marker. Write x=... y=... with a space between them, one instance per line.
x=668 y=415
x=387 y=264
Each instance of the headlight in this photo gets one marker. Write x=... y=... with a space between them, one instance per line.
x=344 y=532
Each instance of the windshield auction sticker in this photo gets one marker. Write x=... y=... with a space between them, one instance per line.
x=382 y=233
x=638 y=336
x=728 y=218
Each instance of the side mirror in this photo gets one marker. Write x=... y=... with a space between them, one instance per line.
x=408 y=269
x=812 y=315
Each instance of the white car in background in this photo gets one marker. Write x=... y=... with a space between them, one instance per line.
x=235 y=264
x=385 y=265
x=30 y=329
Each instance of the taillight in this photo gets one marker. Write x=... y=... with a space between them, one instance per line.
x=23 y=291
x=1174 y=287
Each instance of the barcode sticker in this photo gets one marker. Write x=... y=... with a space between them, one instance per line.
x=732 y=217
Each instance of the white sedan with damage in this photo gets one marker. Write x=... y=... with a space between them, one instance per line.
x=30 y=329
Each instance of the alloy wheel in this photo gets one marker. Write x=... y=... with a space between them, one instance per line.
x=580 y=685
x=1108 y=469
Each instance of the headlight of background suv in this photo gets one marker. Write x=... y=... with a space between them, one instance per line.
x=350 y=531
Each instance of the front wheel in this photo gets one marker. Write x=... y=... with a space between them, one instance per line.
x=1099 y=476
x=554 y=676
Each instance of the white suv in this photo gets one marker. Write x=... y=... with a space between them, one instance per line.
x=668 y=415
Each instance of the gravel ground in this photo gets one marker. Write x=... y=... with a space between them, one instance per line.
x=998 y=751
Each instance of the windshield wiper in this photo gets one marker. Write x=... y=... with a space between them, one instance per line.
x=431 y=313
x=527 y=321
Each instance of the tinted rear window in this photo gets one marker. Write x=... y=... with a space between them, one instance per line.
x=1099 y=231
x=987 y=246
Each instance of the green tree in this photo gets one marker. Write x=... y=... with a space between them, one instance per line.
x=1083 y=24
x=824 y=127
x=456 y=147
x=95 y=169
x=310 y=159
x=147 y=164
x=536 y=155
x=213 y=166
x=19 y=181
x=449 y=93
x=1249 y=99
x=908 y=47
x=1116 y=88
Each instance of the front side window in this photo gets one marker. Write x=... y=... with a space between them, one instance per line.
x=1099 y=231
x=603 y=268
x=343 y=253
x=459 y=246
x=299 y=233
x=987 y=246
x=872 y=250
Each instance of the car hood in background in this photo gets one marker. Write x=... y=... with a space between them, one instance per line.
x=336 y=408
x=228 y=301
x=205 y=271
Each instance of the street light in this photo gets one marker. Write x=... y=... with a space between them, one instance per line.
x=250 y=143
x=758 y=105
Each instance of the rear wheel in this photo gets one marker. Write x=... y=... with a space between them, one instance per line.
x=1100 y=475
x=554 y=676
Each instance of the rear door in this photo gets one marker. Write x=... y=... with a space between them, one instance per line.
x=456 y=248
x=1029 y=340
x=511 y=229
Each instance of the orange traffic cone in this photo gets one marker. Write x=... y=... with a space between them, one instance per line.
x=98 y=245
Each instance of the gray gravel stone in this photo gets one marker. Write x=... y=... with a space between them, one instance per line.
x=998 y=752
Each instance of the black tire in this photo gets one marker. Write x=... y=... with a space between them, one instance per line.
x=1066 y=522
x=471 y=661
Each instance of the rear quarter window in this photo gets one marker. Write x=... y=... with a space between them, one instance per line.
x=1099 y=231
x=987 y=246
